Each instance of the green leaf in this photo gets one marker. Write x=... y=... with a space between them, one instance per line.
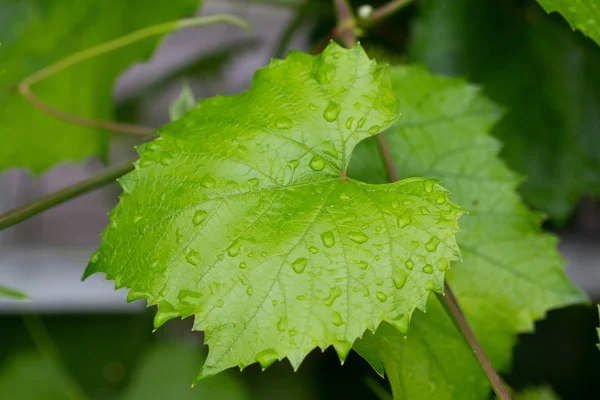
x=432 y=361
x=12 y=293
x=32 y=376
x=166 y=371
x=36 y=34
x=511 y=273
x=241 y=214
x=183 y=103
x=546 y=76
x=581 y=14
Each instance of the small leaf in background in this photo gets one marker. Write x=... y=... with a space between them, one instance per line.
x=36 y=34
x=183 y=103
x=32 y=376
x=547 y=78
x=12 y=293
x=511 y=273
x=241 y=215
x=166 y=371
x=583 y=15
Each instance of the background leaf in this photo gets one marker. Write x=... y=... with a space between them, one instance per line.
x=12 y=293
x=511 y=273
x=183 y=103
x=38 y=33
x=546 y=76
x=241 y=214
x=581 y=14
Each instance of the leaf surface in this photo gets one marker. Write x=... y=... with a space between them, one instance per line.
x=583 y=15
x=546 y=77
x=241 y=215
x=511 y=273
x=36 y=34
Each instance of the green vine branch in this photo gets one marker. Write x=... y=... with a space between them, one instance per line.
x=24 y=87
x=43 y=203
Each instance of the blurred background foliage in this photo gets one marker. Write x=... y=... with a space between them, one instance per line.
x=546 y=76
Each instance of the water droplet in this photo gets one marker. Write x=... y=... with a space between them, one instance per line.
x=137 y=219
x=253 y=182
x=363 y=265
x=400 y=278
x=328 y=239
x=267 y=357
x=409 y=264
x=441 y=199
x=379 y=281
x=208 y=182
x=317 y=163
x=274 y=302
x=300 y=297
x=234 y=249
x=193 y=257
x=282 y=324
x=95 y=257
x=249 y=291
x=428 y=269
x=432 y=244
x=336 y=318
x=429 y=186
x=403 y=221
x=300 y=265
x=313 y=250
x=381 y=296
x=335 y=293
x=263 y=254
x=444 y=264
x=329 y=148
x=243 y=265
x=332 y=111
x=293 y=164
x=424 y=210
x=345 y=196
x=358 y=237
x=199 y=217
x=313 y=106
x=283 y=123
x=166 y=159
x=375 y=129
x=349 y=123
x=361 y=122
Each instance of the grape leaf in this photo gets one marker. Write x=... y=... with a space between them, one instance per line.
x=183 y=103
x=241 y=214
x=511 y=273
x=547 y=77
x=432 y=361
x=12 y=293
x=581 y=14
x=36 y=34
x=166 y=370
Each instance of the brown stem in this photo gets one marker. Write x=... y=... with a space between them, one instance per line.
x=385 y=11
x=449 y=300
x=104 y=178
x=346 y=20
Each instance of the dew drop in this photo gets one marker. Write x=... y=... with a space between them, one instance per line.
x=293 y=164
x=336 y=318
x=432 y=244
x=313 y=106
x=361 y=122
x=358 y=237
x=282 y=324
x=428 y=269
x=274 y=303
x=199 y=217
x=349 y=123
x=137 y=219
x=345 y=196
x=193 y=257
x=263 y=254
x=166 y=159
x=300 y=297
x=328 y=239
x=444 y=264
x=329 y=148
x=403 y=221
x=234 y=249
x=441 y=199
x=381 y=296
x=335 y=293
x=332 y=111
x=95 y=257
x=313 y=250
x=267 y=357
x=300 y=265
x=243 y=265
x=409 y=264
x=283 y=123
x=317 y=163
x=400 y=278
x=363 y=265
x=208 y=182
x=249 y=291
x=429 y=186
x=375 y=129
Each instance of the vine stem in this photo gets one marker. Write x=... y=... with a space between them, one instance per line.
x=448 y=299
x=43 y=203
x=24 y=87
